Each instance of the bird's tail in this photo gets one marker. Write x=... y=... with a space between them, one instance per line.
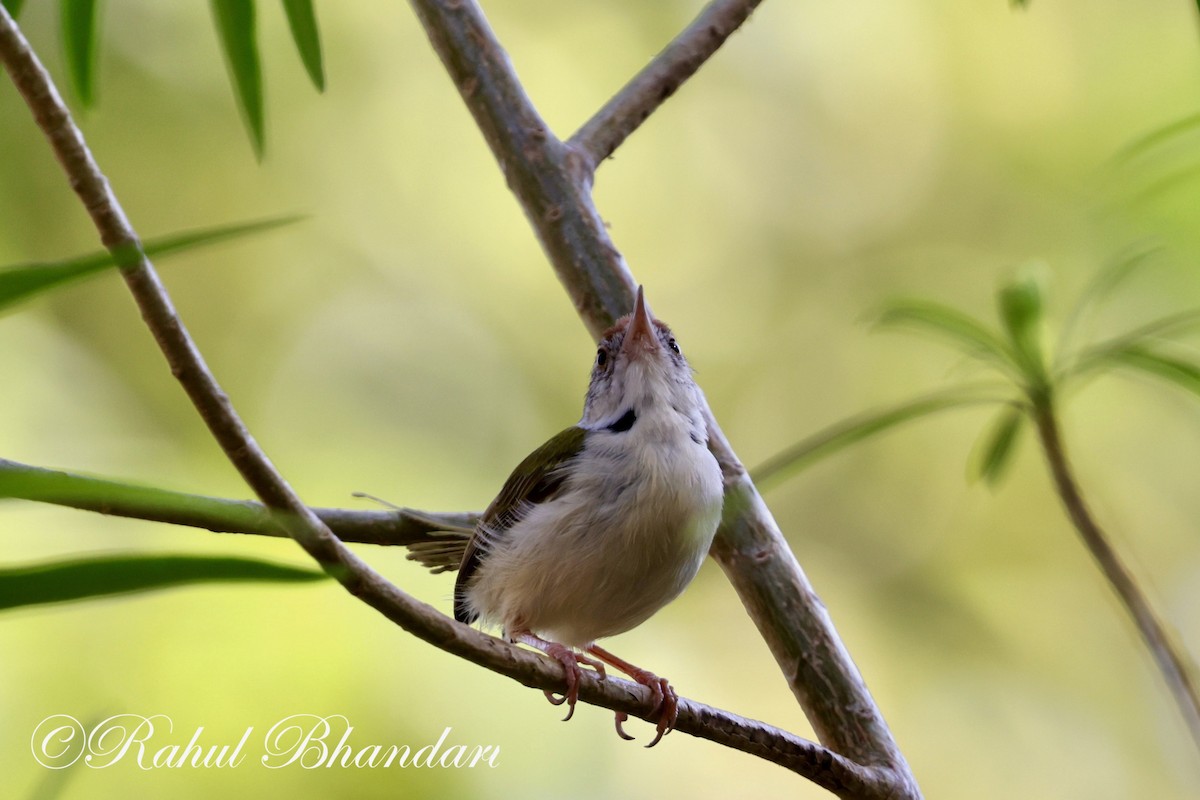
x=439 y=540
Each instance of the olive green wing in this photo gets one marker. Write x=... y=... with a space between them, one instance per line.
x=537 y=479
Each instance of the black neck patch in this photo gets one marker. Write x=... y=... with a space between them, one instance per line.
x=624 y=423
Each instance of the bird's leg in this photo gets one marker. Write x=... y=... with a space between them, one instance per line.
x=570 y=661
x=665 y=698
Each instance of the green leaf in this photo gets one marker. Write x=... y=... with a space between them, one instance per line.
x=1182 y=373
x=843 y=434
x=303 y=22
x=999 y=445
x=1108 y=279
x=79 y=45
x=82 y=579
x=1100 y=287
x=21 y=282
x=960 y=329
x=1106 y=352
x=14 y=7
x=236 y=29
x=1156 y=137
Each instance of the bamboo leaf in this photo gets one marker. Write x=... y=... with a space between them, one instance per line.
x=843 y=434
x=236 y=29
x=78 y=18
x=24 y=281
x=83 y=579
x=999 y=445
x=960 y=329
x=302 y=20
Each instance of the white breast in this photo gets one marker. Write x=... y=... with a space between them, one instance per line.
x=627 y=534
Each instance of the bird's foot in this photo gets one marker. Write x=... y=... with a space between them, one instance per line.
x=570 y=661
x=666 y=699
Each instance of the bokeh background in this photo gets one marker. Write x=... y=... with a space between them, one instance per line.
x=409 y=340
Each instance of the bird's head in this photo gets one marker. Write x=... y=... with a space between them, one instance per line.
x=639 y=367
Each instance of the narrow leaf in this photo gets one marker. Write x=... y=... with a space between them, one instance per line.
x=21 y=282
x=82 y=579
x=1105 y=353
x=960 y=329
x=1156 y=137
x=303 y=22
x=1182 y=373
x=236 y=30
x=1100 y=287
x=78 y=19
x=999 y=445
x=1108 y=279
x=843 y=434
x=13 y=6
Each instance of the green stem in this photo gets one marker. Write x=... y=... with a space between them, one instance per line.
x=87 y=493
x=1172 y=660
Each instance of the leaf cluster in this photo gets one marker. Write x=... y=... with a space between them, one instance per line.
x=236 y=25
x=1016 y=351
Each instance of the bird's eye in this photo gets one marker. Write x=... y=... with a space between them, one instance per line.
x=674 y=345
x=601 y=357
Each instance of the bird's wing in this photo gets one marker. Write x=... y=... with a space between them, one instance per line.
x=537 y=479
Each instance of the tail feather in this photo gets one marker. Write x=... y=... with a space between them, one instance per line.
x=442 y=551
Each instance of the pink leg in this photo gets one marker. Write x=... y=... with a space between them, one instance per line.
x=570 y=661
x=665 y=697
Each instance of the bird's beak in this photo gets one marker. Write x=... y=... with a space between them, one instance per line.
x=641 y=336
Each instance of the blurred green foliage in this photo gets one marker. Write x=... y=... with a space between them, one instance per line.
x=63 y=581
x=411 y=342
x=23 y=282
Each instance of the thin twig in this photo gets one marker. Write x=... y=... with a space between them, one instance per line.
x=1172 y=661
x=553 y=189
x=601 y=135
x=809 y=759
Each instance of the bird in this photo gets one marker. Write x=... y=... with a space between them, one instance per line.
x=604 y=524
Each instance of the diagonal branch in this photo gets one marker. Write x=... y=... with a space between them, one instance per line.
x=807 y=758
x=834 y=772
x=601 y=135
x=552 y=187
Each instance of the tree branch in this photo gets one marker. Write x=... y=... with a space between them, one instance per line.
x=553 y=189
x=1172 y=660
x=809 y=759
x=601 y=135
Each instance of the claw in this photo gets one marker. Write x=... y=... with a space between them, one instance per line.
x=666 y=700
x=621 y=716
x=668 y=707
x=570 y=661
